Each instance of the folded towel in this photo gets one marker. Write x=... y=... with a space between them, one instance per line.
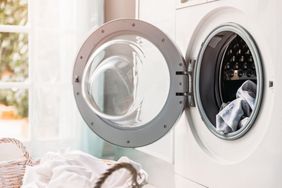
x=77 y=169
x=235 y=114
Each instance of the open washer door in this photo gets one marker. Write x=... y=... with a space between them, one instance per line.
x=129 y=82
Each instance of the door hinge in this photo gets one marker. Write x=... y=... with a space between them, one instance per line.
x=190 y=76
x=191 y=66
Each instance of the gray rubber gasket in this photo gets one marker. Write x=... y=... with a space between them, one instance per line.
x=259 y=70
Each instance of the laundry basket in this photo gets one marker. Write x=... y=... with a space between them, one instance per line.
x=12 y=172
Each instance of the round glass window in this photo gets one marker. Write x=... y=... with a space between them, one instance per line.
x=126 y=81
x=229 y=82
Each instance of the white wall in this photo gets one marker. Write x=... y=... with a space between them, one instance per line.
x=160 y=13
x=119 y=9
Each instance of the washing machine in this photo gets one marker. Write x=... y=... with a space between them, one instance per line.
x=132 y=84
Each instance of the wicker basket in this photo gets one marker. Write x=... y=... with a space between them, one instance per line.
x=12 y=172
x=115 y=167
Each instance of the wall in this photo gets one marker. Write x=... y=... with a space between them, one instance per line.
x=119 y=9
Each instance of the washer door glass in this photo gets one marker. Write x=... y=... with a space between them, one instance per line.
x=120 y=82
x=126 y=85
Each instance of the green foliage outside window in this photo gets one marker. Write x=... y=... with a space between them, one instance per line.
x=17 y=98
x=14 y=54
x=13 y=12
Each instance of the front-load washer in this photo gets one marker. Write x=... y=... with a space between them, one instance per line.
x=131 y=85
x=249 y=157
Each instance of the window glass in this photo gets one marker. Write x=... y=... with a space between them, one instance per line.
x=13 y=12
x=14 y=113
x=13 y=56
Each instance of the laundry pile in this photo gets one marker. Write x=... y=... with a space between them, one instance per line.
x=235 y=114
x=77 y=169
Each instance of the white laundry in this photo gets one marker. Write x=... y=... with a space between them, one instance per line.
x=236 y=114
x=229 y=118
x=248 y=92
x=76 y=169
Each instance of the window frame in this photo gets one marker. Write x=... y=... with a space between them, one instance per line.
x=27 y=83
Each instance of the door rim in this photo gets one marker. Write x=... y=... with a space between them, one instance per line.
x=174 y=105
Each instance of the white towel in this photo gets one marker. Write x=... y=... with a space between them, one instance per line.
x=76 y=169
x=235 y=114
x=229 y=118
x=248 y=92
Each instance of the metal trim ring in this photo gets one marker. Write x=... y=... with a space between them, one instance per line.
x=258 y=64
x=174 y=105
